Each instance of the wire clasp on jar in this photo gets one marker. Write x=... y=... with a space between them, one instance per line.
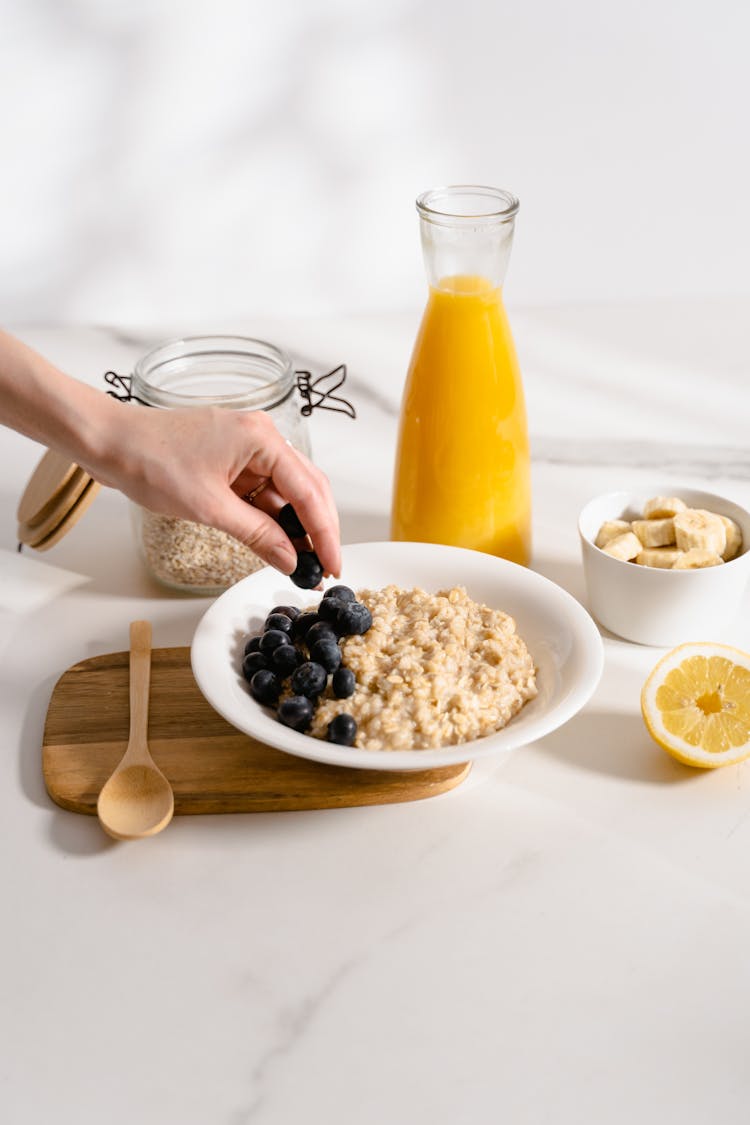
x=316 y=394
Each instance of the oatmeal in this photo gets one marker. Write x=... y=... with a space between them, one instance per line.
x=433 y=670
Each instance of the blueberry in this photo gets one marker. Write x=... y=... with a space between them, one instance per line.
x=252 y=645
x=329 y=608
x=253 y=663
x=303 y=623
x=342 y=730
x=353 y=618
x=278 y=621
x=341 y=593
x=285 y=659
x=318 y=632
x=265 y=687
x=290 y=522
x=296 y=712
x=309 y=679
x=343 y=683
x=327 y=653
x=290 y=611
x=272 y=638
x=309 y=571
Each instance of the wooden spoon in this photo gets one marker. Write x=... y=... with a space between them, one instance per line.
x=137 y=800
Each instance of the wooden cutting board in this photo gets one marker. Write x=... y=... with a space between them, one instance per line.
x=212 y=767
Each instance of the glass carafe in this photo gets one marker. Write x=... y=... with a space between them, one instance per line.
x=462 y=464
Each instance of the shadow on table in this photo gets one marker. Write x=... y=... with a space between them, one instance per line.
x=617 y=745
x=564 y=573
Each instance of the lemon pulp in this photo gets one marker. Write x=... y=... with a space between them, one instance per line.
x=696 y=704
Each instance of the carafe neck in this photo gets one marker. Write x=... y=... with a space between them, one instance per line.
x=467 y=233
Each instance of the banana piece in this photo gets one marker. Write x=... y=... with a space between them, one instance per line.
x=696 y=558
x=664 y=557
x=661 y=507
x=655 y=532
x=696 y=527
x=625 y=547
x=609 y=530
x=734 y=539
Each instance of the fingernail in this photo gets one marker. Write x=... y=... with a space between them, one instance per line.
x=283 y=560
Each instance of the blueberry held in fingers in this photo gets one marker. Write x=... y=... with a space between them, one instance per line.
x=342 y=730
x=309 y=571
x=290 y=522
x=296 y=712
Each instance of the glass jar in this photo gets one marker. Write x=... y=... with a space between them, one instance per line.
x=236 y=373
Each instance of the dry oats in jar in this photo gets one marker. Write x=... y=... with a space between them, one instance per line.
x=236 y=373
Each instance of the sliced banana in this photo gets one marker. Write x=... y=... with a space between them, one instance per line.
x=661 y=507
x=696 y=558
x=672 y=536
x=664 y=557
x=734 y=539
x=655 y=532
x=625 y=547
x=696 y=527
x=609 y=530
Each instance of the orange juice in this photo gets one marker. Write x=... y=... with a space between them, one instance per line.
x=462 y=466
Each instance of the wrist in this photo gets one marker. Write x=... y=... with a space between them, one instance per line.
x=101 y=435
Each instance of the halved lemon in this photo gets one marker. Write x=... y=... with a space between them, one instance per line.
x=696 y=704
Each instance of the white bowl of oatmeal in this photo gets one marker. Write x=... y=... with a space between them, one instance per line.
x=534 y=657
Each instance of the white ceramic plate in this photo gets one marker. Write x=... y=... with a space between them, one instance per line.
x=563 y=640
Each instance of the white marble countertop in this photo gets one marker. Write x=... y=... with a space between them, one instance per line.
x=563 y=939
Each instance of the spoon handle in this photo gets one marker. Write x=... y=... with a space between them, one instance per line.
x=140 y=679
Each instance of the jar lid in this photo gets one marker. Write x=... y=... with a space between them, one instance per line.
x=57 y=495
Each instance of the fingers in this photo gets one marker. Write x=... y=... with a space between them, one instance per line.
x=258 y=531
x=303 y=485
x=327 y=494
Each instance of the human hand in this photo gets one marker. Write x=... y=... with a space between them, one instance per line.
x=197 y=464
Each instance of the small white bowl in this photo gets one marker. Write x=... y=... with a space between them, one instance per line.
x=661 y=607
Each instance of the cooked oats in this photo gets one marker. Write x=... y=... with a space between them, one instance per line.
x=433 y=670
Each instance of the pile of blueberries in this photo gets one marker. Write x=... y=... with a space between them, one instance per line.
x=303 y=648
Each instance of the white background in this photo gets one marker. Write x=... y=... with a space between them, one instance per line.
x=196 y=164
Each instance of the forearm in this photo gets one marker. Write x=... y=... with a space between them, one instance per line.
x=195 y=463
x=40 y=401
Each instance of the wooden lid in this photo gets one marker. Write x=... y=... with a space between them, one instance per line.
x=57 y=495
x=70 y=519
